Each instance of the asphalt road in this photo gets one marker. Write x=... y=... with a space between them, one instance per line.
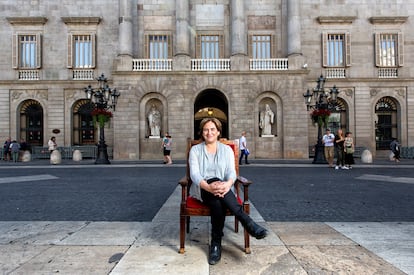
x=118 y=193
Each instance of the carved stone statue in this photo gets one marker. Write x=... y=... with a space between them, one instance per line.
x=266 y=121
x=154 y=121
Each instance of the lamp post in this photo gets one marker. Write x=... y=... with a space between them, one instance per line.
x=324 y=104
x=103 y=98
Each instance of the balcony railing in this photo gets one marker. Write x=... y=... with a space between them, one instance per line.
x=29 y=75
x=335 y=72
x=270 y=64
x=142 y=65
x=387 y=72
x=83 y=74
x=210 y=64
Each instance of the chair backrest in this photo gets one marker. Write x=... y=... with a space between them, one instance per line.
x=232 y=143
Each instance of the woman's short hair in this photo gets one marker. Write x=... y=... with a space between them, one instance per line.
x=208 y=119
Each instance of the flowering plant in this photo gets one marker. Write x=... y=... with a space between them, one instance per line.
x=101 y=116
x=320 y=116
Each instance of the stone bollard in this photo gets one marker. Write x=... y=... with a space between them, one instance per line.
x=55 y=157
x=77 y=155
x=366 y=156
x=26 y=157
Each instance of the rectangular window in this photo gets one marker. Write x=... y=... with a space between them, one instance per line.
x=388 y=50
x=158 y=46
x=81 y=51
x=336 y=49
x=261 y=46
x=27 y=51
x=209 y=46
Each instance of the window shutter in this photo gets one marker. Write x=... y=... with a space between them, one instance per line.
x=169 y=42
x=15 y=50
x=324 y=50
x=93 y=41
x=146 y=46
x=272 y=46
x=70 y=50
x=377 y=42
x=400 y=49
x=198 y=46
x=221 y=46
x=38 y=51
x=347 y=49
x=250 y=45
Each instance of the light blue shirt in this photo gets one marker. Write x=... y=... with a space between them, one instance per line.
x=204 y=166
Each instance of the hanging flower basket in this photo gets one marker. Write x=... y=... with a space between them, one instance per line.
x=320 y=117
x=101 y=116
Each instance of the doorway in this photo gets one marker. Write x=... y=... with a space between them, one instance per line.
x=211 y=103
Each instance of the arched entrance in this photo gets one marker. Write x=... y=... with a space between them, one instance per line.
x=31 y=122
x=338 y=117
x=211 y=103
x=83 y=126
x=386 y=126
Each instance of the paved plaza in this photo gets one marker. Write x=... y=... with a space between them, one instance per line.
x=79 y=218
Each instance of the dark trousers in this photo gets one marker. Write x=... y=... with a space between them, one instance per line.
x=340 y=160
x=243 y=153
x=218 y=207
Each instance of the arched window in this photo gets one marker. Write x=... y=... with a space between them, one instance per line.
x=338 y=118
x=31 y=122
x=83 y=126
x=386 y=126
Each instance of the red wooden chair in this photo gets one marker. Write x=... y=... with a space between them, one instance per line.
x=193 y=207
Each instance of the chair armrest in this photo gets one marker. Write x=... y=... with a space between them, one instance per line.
x=243 y=181
x=183 y=181
x=246 y=183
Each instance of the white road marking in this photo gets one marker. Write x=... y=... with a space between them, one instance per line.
x=386 y=178
x=27 y=178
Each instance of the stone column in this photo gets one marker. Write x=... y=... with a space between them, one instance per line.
x=239 y=59
x=294 y=34
x=125 y=27
x=124 y=60
x=182 y=59
x=238 y=28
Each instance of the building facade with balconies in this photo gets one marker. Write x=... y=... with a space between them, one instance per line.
x=190 y=59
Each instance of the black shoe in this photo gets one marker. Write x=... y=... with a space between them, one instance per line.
x=256 y=230
x=247 y=162
x=215 y=253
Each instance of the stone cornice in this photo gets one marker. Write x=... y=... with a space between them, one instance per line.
x=388 y=19
x=81 y=20
x=336 y=19
x=35 y=20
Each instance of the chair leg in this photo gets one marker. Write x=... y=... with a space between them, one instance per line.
x=188 y=223
x=246 y=242
x=182 y=234
x=236 y=225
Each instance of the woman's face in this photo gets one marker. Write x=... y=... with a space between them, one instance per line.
x=210 y=132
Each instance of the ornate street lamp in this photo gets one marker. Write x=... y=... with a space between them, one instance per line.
x=321 y=109
x=103 y=99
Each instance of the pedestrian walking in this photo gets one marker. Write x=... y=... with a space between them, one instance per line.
x=339 y=149
x=244 y=151
x=349 y=148
x=395 y=149
x=166 y=145
x=328 y=141
x=14 y=150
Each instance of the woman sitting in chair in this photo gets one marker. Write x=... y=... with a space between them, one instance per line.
x=212 y=171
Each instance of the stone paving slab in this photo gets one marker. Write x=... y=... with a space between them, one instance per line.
x=152 y=247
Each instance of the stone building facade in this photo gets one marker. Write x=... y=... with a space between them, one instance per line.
x=195 y=58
